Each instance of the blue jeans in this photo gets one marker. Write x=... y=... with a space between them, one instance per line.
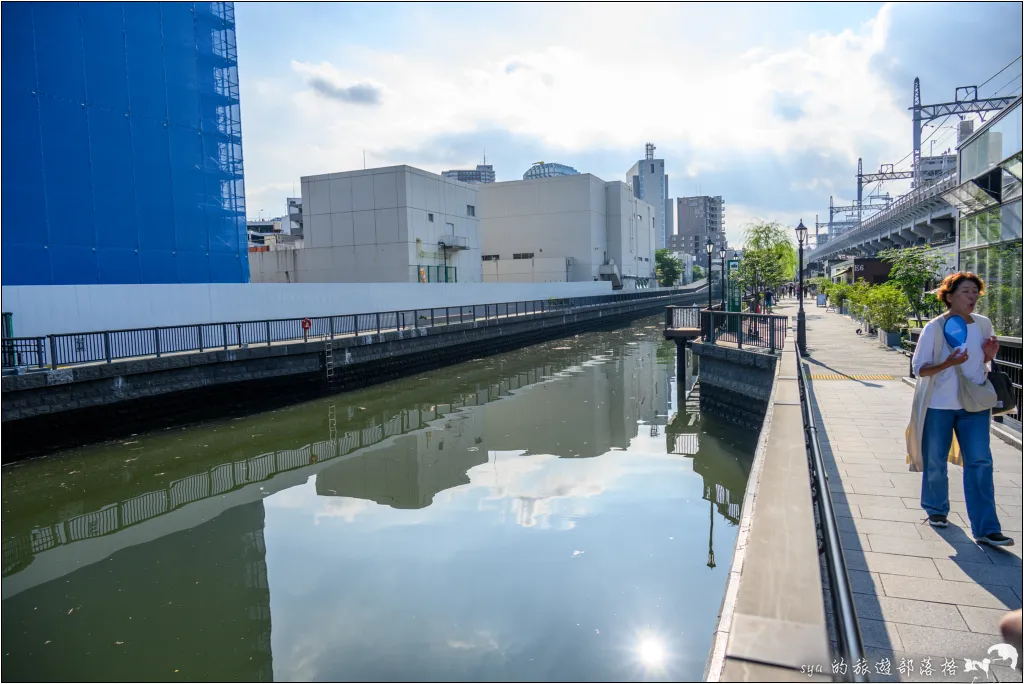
x=972 y=432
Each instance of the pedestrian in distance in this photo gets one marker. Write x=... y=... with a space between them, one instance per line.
x=769 y=298
x=943 y=362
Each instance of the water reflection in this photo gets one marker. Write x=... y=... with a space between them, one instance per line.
x=530 y=516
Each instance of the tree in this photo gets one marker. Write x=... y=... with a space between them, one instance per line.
x=667 y=267
x=769 y=258
x=698 y=272
x=913 y=268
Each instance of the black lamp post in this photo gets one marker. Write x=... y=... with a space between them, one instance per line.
x=722 y=254
x=710 y=247
x=801 y=323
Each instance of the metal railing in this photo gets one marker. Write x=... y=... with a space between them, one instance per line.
x=68 y=349
x=908 y=200
x=1009 y=359
x=23 y=351
x=677 y=317
x=847 y=629
x=763 y=331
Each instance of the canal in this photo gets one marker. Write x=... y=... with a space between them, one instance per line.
x=548 y=514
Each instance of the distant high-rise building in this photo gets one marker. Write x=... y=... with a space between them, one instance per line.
x=651 y=185
x=549 y=170
x=483 y=173
x=699 y=219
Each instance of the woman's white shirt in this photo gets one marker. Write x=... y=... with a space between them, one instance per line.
x=944 y=391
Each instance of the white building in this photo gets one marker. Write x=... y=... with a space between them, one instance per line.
x=650 y=184
x=566 y=228
x=392 y=224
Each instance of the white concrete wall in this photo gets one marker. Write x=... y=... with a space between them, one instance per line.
x=563 y=216
x=631 y=231
x=545 y=270
x=652 y=187
x=373 y=226
x=49 y=309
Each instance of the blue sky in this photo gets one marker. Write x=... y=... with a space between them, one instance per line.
x=768 y=105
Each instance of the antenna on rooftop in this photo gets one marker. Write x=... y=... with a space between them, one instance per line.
x=649 y=147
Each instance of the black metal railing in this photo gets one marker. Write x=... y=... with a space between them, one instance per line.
x=851 y=647
x=1009 y=359
x=677 y=317
x=23 y=351
x=67 y=349
x=763 y=331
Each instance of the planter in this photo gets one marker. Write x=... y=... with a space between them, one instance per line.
x=889 y=339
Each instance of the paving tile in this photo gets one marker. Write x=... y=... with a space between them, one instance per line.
x=876 y=500
x=852 y=541
x=1013 y=512
x=944 y=643
x=892 y=513
x=1005 y=555
x=945 y=591
x=982 y=620
x=864 y=582
x=843 y=510
x=886 y=527
x=926 y=548
x=1003 y=673
x=873 y=489
x=909 y=611
x=980 y=573
x=879 y=634
x=885 y=563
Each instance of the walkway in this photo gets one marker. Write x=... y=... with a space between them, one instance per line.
x=919 y=592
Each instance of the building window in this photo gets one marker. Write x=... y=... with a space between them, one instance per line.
x=470 y=210
x=523 y=255
x=430 y=217
x=652 y=168
x=490 y=257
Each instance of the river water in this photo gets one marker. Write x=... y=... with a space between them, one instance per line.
x=548 y=514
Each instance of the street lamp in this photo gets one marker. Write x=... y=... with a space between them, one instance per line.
x=801 y=323
x=722 y=253
x=711 y=248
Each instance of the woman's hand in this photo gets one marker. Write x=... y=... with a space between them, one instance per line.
x=990 y=347
x=955 y=358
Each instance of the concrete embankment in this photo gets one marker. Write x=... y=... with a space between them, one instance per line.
x=47 y=410
x=772 y=624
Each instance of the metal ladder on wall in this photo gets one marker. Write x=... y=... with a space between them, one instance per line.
x=329 y=361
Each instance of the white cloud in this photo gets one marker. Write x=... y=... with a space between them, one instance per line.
x=617 y=79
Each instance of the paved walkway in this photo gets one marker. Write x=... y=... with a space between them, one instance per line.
x=919 y=592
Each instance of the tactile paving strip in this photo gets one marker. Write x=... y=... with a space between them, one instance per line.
x=837 y=376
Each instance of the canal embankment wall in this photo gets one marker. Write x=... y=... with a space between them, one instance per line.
x=42 y=409
x=735 y=384
x=772 y=624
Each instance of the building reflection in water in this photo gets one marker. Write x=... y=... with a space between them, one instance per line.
x=398 y=458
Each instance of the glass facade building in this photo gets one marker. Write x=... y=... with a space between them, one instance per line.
x=549 y=170
x=989 y=201
x=122 y=144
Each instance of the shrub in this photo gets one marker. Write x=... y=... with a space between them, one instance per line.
x=888 y=307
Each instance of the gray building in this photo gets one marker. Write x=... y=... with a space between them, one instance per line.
x=483 y=173
x=650 y=184
x=697 y=220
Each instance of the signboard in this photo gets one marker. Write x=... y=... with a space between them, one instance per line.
x=735 y=299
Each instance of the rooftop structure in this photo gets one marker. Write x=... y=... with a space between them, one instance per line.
x=548 y=170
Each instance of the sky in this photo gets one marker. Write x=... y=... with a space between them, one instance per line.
x=768 y=105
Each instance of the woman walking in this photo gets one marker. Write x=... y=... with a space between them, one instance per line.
x=938 y=411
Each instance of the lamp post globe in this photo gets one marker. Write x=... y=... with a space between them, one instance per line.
x=801 y=322
x=710 y=246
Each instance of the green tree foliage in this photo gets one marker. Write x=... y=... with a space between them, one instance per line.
x=913 y=268
x=698 y=272
x=769 y=258
x=887 y=306
x=667 y=267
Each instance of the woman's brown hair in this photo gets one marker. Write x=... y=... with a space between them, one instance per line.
x=953 y=281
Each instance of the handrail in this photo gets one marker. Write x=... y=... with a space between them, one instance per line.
x=911 y=198
x=764 y=331
x=70 y=349
x=851 y=645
